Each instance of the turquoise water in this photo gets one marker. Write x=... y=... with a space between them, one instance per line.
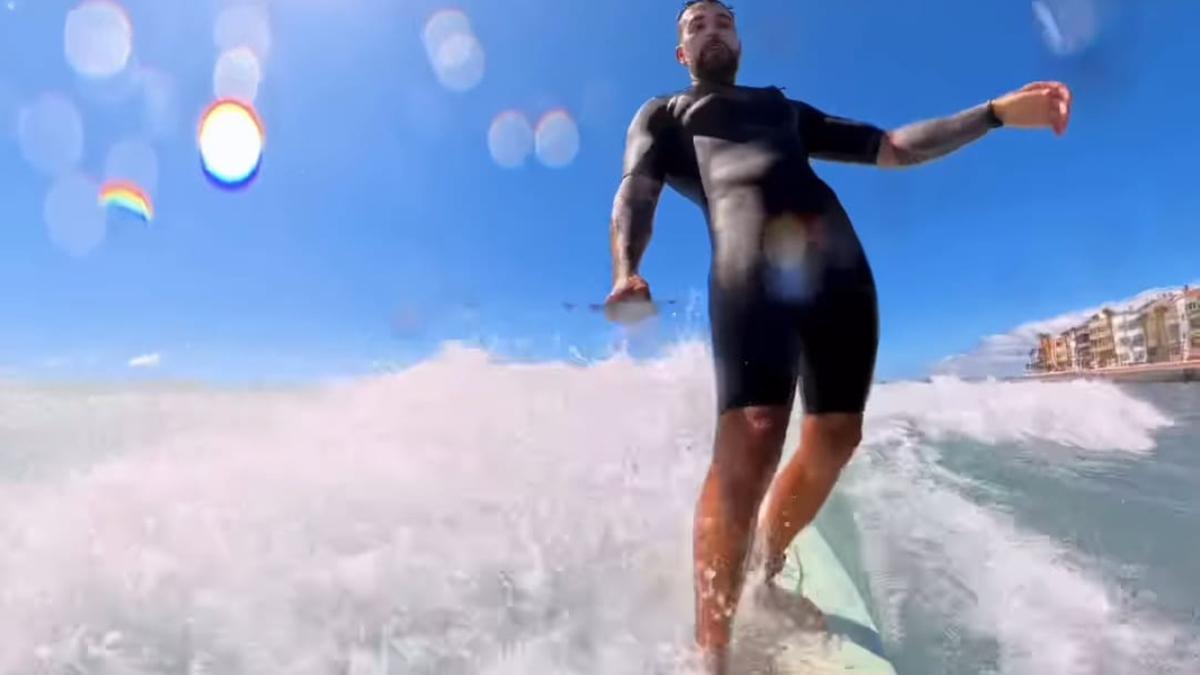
x=539 y=520
x=1046 y=551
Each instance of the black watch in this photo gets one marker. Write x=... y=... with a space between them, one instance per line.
x=994 y=120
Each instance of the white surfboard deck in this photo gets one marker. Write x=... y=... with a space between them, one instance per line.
x=787 y=640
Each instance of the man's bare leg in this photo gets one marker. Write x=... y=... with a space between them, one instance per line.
x=746 y=452
x=827 y=443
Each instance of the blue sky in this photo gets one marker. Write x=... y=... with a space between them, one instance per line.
x=380 y=225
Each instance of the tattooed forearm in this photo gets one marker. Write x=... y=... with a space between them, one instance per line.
x=931 y=139
x=632 y=222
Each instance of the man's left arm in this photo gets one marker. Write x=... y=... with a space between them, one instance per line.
x=1038 y=105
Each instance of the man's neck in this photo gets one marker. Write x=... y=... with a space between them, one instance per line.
x=713 y=83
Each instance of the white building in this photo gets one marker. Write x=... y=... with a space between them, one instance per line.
x=1188 y=307
x=1129 y=331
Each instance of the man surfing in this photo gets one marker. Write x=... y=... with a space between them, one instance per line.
x=791 y=294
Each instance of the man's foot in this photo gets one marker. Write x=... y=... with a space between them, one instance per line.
x=715 y=661
x=772 y=566
x=797 y=609
x=759 y=562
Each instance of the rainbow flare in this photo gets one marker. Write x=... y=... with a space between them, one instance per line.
x=128 y=197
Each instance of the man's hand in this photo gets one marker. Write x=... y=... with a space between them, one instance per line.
x=629 y=301
x=1036 y=105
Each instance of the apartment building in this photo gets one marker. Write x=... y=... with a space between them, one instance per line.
x=1188 y=307
x=1064 y=351
x=1163 y=330
x=1103 y=338
x=1083 y=347
x=1130 y=333
x=1161 y=317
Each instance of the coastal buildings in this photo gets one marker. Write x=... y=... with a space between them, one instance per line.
x=1101 y=334
x=1188 y=306
x=1153 y=336
x=1131 y=337
x=1162 y=330
x=1064 y=351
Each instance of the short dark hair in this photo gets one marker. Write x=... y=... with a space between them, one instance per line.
x=687 y=4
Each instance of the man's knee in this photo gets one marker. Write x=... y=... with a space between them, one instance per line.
x=838 y=434
x=750 y=442
x=765 y=425
x=758 y=430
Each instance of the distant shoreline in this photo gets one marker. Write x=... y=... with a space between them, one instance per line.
x=1174 y=371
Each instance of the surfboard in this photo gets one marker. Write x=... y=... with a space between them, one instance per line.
x=847 y=641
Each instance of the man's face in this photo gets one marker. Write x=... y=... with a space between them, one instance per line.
x=708 y=42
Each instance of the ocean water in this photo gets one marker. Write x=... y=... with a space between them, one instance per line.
x=469 y=515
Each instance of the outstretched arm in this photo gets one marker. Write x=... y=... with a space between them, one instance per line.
x=1038 y=105
x=632 y=222
x=829 y=137
x=924 y=141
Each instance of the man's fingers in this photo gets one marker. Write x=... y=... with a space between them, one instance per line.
x=1053 y=113
x=1062 y=118
x=1036 y=86
x=1056 y=90
x=1059 y=92
x=1045 y=104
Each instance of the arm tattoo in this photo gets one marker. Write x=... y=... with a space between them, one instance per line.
x=632 y=222
x=931 y=139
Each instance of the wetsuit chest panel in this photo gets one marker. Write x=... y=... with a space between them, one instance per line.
x=741 y=116
x=748 y=153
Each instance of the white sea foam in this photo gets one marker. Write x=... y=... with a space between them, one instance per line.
x=465 y=515
x=935 y=555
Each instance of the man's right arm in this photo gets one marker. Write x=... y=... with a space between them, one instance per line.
x=641 y=185
x=633 y=222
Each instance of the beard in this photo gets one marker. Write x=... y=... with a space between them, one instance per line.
x=718 y=62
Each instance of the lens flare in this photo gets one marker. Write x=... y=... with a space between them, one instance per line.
x=98 y=38
x=454 y=52
x=557 y=139
x=231 y=140
x=786 y=242
x=134 y=161
x=510 y=139
x=243 y=26
x=127 y=197
x=442 y=24
x=237 y=75
x=74 y=221
x=1068 y=26
x=50 y=133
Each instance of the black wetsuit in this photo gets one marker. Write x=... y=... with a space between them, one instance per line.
x=791 y=294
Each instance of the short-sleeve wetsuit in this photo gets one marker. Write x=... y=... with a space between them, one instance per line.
x=791 y=294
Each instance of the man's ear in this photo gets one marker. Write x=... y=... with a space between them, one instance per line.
x=679 y=55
